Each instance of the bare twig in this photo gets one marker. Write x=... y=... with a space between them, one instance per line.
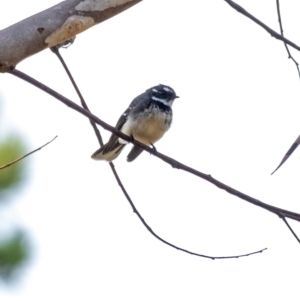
x=288 y=153
x=175 y=164
x=286 y=42
x=272 y=32
x=164 y=241
x=55 y=49
x=297 y=142
x=21 y=158
x=285 y=45
x=97 y=132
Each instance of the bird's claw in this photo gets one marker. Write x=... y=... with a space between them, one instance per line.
x=154 y=149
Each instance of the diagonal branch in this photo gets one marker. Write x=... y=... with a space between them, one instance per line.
x=55 y=49
x=288 y=153
x=286 y=42
x=164 y=241
x=21 y=158
x=175 y=164
x=272 y=32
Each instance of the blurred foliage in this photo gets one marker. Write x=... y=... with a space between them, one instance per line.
x=14 y=250
x=10 y=150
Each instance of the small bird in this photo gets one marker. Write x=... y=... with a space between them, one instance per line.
x=147 y=119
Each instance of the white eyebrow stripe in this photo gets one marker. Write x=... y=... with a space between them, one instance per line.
x=160 y=100
x=167 y=89
x=154 y=90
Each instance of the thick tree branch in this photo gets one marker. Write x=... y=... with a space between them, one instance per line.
x=53 y=26
x=279 y=211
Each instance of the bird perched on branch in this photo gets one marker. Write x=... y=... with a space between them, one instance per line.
x=147 y=119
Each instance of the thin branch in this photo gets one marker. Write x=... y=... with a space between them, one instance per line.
x=297 y=142
x=21 y=158
x=288 y=153
x=294 y=146
x=55 y=50
x=272 y=32
x=172 y=162
x=164 y=241
x=285 y=45
x=286 y=42
x=288 y=225
x=97 y=132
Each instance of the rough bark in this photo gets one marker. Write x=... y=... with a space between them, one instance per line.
x=53 y=26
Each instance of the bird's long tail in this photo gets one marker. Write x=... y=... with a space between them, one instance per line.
x=108 y=151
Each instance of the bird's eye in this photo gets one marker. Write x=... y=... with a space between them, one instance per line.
x=163 y=92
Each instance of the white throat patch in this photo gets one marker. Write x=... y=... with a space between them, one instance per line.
x=162 y=101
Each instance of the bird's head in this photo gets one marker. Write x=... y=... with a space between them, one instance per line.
x=163 y=93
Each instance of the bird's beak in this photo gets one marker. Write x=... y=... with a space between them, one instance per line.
x=177 y=96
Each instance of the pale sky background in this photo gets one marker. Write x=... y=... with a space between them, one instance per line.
x=237 y=115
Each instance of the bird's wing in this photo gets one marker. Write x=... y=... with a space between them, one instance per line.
x=113 y=141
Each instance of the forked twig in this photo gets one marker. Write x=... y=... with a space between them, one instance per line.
x=297 y=142
x=288 y=225
x=281 y=31
x=286 y=42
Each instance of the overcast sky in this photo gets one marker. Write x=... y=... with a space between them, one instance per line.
x=237 y=115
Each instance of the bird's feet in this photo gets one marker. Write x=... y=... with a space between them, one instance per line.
x=131 y=138
x=154 y=149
